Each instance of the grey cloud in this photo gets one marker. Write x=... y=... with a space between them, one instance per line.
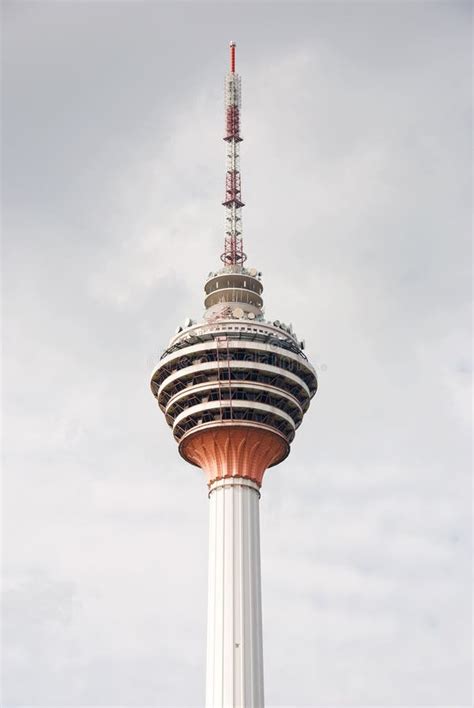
x=356 y=171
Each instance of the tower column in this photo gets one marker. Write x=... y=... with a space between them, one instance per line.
x=234 y=633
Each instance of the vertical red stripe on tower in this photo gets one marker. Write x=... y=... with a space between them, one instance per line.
x=232 y=57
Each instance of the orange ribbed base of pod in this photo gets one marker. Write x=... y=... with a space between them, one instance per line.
x=234 y=451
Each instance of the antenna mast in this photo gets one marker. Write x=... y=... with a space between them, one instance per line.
x=233 y=248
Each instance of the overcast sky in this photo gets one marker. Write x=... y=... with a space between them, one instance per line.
x=356 y=178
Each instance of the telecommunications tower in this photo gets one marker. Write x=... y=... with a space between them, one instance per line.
x=234 y=388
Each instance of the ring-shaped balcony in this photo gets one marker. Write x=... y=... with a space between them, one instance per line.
x=204 y=353
x=216 y=412
x=188 y=377
x=231 y=387
x=233 y=296
x=240 y=398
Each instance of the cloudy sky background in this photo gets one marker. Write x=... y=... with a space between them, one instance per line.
x=356 y=176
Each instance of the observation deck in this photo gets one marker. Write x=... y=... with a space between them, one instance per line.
x=234 y=371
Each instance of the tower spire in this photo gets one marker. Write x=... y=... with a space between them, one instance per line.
x=233 y=247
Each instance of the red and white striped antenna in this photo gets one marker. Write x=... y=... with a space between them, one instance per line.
x=233 y=248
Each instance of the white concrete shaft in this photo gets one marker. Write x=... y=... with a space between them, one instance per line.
x=234 y=630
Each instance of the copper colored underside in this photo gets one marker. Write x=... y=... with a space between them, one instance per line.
x=234 y=452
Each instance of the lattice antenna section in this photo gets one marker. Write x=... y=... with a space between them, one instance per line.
x=233 y=248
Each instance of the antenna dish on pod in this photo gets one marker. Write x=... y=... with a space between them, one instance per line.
x=238 y=313
x=251 y=315
x=253 y=272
